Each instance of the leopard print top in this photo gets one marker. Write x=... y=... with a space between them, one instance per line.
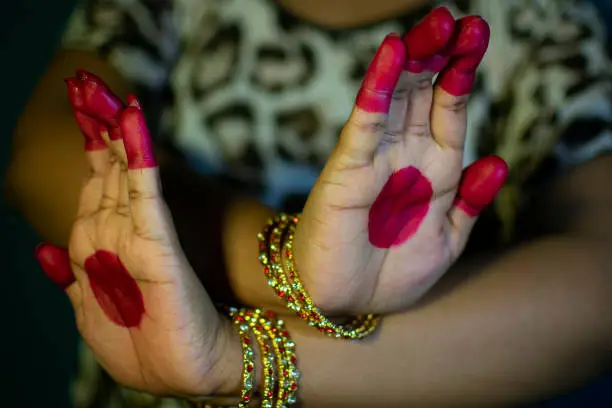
x=220 y=87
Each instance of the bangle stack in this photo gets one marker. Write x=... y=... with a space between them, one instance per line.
x=275 y=241
x=276 y=349
x=277 y=354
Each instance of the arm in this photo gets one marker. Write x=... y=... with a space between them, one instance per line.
x=531 y=325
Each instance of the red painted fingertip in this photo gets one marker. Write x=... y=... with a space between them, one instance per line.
x=55 y=262
x=431 y=35
x=480 y=183
x=472 y=42
x=132 y=101
x=90 y=128
x=382 y=76
x=88 y=76
x=100 y=102
x=136 y=139
x=74 y=93
x=473 y=34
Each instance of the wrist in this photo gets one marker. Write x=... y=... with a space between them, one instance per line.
x=228 y=368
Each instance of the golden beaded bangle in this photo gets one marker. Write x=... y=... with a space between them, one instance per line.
x=279 y=363
x=287 y=285
x=248 y=360
x=282 y=363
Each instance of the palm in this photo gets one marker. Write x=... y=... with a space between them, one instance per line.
x=382 y=278
x=123 y=346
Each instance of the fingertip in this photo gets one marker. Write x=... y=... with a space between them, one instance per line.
x=137 y=139
x=480 y=184
x=133 y=101
x=473 y=35
x=74 y=92
x=55 y=262
x=431 y=35
x=90 y=129
x=382 y=76
x=84 y=75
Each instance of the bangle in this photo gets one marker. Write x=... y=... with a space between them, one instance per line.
x=279 y=362
x=248 y=361
x=275 y=240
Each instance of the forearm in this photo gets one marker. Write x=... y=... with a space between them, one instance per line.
x=530 y=325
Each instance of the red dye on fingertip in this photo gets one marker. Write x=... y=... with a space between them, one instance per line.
x=115 y=290
x=90 y=128
x=431 y=35
x=136 y=139
x=132 y=101
x=480 y=183
x=471 y=45
x=74 y=93
x=100 y=102
x=382 y=76
x=400 y=208
x=55 y=262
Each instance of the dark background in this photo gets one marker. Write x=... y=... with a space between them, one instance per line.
x=37 y=335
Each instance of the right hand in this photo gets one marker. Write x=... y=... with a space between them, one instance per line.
x=139 y=305
x=392 y=209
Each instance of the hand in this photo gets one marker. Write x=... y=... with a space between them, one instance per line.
x=390 y=212
x=138 y=303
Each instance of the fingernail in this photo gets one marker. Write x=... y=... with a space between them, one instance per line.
x=55 y=262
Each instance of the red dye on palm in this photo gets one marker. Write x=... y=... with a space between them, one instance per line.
x=400 y=208
x=115 y=290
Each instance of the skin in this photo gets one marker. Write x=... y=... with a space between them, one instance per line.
x=573 y=333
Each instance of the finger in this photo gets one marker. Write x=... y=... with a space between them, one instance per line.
x=362 y=134
x=55 y=262
x=144 y=188
x=96 y=151
x=427 y=47
x=454 y=84
x=98 y=99
x=479 y=185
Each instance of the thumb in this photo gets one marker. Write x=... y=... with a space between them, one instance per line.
x=478 y=187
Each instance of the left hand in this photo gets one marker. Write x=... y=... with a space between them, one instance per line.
x=138 y=303
x=391 y=212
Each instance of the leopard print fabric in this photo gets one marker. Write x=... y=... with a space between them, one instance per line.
x=219 y=86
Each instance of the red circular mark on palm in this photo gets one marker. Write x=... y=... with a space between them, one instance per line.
x=400 y=208
x=115 y=290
